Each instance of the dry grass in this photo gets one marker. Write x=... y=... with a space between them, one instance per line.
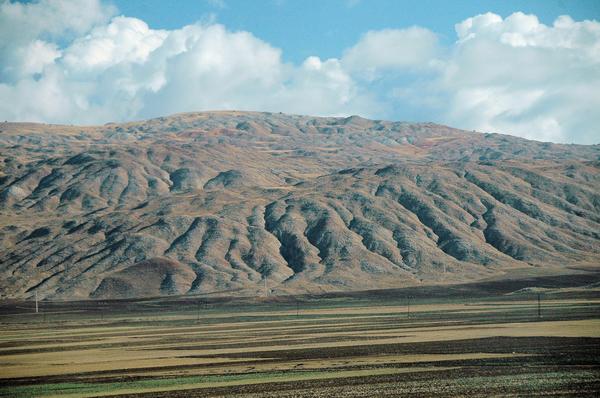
x=172 y=344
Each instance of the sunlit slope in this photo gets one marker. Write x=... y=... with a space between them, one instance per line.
x=221 y=201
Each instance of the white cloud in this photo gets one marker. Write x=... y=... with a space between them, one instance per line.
x=26 y=25
x=208 y=67
x=388 y=49
x=64 y=62
x=124 y=40
x=513 y=75
x=519 y=76
x=35 y=56
x=122 y=69
x=56 y=18
x=320 y=87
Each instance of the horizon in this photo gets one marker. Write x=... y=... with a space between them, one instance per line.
x=233 y=111
x=122 y=61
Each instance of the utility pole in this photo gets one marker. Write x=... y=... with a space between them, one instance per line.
x=36 y=303
x=539 y=306
x=297 y=308
x=408 y=307
x=266 y=289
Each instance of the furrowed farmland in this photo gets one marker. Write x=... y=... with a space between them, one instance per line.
x=453 y=340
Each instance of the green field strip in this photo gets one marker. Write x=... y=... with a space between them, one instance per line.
x=80 y=390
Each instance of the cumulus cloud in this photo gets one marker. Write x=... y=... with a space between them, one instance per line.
x=519 y=76
x=32 y=30
x=120 y=69
x=63 y=61
x=124 y=40
x=391 y=49
x=208 y=67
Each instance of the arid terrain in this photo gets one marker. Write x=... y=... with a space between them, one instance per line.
x=243 y=203
x=482 y=339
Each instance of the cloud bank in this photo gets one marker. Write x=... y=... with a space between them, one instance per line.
x=67 y=62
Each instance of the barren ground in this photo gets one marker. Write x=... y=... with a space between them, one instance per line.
x=478 y=339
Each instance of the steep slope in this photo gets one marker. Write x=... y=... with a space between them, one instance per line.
x=222 y=201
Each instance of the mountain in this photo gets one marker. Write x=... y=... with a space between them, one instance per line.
x=232 y=201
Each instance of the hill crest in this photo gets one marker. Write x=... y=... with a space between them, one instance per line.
x=218 y=201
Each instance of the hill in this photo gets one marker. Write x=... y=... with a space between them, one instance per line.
x=222 y=201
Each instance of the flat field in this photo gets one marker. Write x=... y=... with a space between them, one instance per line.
x=478 y=340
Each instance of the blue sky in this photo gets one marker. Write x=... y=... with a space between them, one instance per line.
x=323 y=27
x=528 y=68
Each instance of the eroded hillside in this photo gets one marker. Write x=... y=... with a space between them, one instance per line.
x=221 y=201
